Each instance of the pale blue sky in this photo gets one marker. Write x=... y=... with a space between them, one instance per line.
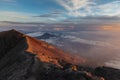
x=55 y=11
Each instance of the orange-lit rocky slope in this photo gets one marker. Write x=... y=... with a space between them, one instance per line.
x=48 y=53
x=25 y=58
x=42 y=50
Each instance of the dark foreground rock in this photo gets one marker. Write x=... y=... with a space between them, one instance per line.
x=108 y=73
x=25 y=58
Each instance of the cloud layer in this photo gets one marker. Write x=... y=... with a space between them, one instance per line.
x=19 y=17
x=82 y=8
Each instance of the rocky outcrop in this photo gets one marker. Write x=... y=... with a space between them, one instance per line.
x=108 y=73
x=20 y=54
x=25 y=58
x=18 y=42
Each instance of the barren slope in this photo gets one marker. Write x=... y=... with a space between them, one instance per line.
x=43 y=51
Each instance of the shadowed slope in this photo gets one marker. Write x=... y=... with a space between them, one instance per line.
x=43 y=51
x=25 y=58
x=8 y=40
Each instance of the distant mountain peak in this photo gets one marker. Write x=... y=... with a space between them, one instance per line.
x=47 y=36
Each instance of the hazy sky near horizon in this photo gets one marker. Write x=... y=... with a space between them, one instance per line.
x=91 y=24
x=60 y=11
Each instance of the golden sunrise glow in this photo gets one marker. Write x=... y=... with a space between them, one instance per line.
x=111 y=28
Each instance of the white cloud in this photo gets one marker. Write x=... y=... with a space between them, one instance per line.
x=91 y=42
x=35 y=34
x=77 y=8
x=25 y=17
x=110 y=9
x=74 y=6
x=18 y=17
x=115 y=63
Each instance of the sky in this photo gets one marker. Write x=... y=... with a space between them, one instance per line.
x=60 y=11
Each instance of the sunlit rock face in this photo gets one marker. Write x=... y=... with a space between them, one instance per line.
x=19 y=53
x=25 y=58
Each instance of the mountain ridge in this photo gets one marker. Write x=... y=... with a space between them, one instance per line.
x=25 y=58
x=44 y=51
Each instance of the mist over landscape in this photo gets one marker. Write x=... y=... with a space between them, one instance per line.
x=100 y=46
x=59 y=39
